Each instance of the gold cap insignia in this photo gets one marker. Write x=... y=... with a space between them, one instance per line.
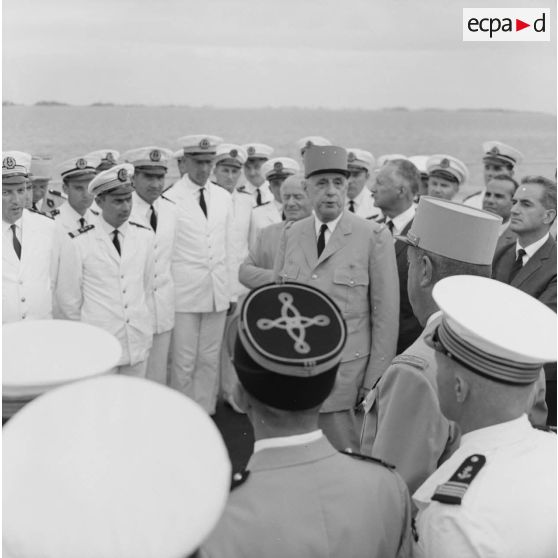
x=155 y=155
x=278 y=166
x=9 y=162
x=110 y=157
x=122 y=175
x=233 y=153
x=204 y=143
x=495 y=150
x=444 y=163
x=251 y=151
x=81 y=164
x=351 y=157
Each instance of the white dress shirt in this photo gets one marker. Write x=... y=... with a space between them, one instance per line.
x=531 y=249
x=402 y=220
x=285 y=441
x=508 y=509
x=69 y=219
x=330 y=227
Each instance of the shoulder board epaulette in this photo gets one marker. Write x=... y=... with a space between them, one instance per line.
x=351 y=453
x=411 y=360
x=55 y=193
x=239 y=478
x=472 y=195
x=81 y=230
x=40 y=213
x=241 y=190
x=261 y=205
x=452 y=492
x=94 y=212
x=545 y=428
x=140 y=226
x=167 y=199
x=213 y=182
x=54 y=212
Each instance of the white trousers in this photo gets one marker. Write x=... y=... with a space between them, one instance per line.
x=157 y=363
x=195 y=350
x=229 y=378
x=137 y=370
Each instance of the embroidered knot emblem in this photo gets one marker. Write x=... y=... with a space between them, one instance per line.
x=293 y=323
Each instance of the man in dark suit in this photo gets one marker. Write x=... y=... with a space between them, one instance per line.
x=498 y=199
x=353 y=261
x=530 y=263
x=396 y=185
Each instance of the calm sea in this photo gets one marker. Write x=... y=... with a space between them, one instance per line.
x=65 y=132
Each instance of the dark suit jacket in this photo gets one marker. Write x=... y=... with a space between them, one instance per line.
x=537 y=278
x=508 y=237
x=409 y=327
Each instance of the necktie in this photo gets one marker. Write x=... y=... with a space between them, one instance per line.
x=202 y=202
x=16 y=242
x=258 y=197
x=115 y=241
x=352 y=206
x=153 y=218
x=517 y=265
x=34 y=206
x=321 y=239
x=389 y=225
x=82 y=222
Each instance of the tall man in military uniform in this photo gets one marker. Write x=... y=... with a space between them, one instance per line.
x=76 y=175
x=256 y=184
x=203 y=272
x=352 y=260
x=155 y=211
x=299 y=496
x=31 y=247
x=106 y=279
x=403 y=423
x=496 y=495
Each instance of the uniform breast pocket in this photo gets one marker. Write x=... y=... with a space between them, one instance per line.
x=351 y=289
x=290 y=272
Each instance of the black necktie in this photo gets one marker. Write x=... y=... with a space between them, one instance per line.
x=352 y=206
x=153 y=218
x=82 y=222
x=258 y=197
x=389 y=225
x=517 y=265
x=202 y=202
x=321 y=239
x=17 y=243
x=115 y=241
x=34 y=206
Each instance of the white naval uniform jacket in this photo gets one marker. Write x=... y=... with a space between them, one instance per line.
x=263 y=216
x=28 y=284
x=364 y=205
x=163 y=285
x=202 y=263
x=112 y=292
x=68 y=218
x=266 y=194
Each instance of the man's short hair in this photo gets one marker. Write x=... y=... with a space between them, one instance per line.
x=408 y=172
x=506 y=178
x=548 y=198
x=448 y=267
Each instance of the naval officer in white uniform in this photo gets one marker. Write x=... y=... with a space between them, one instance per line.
x=360 y=200
x=106 y=279
x=155 y=211
x=203 y=272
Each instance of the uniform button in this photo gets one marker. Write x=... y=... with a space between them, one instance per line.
x=357 y=354
x=125 y=306
x=21 y=282
x=351 y=282
x=124 y=291
x=122 y=277
x=155 y=275
x=314 y=276
x=23 y=316
x=23 y=300
x=155 y=289
x=127 y=321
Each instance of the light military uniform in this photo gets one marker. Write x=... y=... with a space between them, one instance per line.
x=115 y=292
x=117 y=483
x=70 y=220
x=203 y=272
x=363 y=203
x=166 y=217
x=28 y=283
x=500 y=153
x=403 y=423
x=263 y=152
x=496 y=496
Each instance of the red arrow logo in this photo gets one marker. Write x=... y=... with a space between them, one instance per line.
x=519 y=25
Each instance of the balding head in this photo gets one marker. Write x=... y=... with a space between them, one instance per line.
x=296 y=203
x=396 y=185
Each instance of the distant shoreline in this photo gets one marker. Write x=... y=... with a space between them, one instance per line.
x=58 y=104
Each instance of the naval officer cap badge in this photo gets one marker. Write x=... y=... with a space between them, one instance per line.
x=251 y=151
x=155 y=155
x=81 y=163
x=289 y=345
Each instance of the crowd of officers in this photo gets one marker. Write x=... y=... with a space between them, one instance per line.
x=345 y=305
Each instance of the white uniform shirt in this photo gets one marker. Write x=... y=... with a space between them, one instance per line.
x=263 y=216
x=476 y=200
x=163 y=285
x=113 y=292
x=28 y=284
x=508 y=510
x=69 y=219
x=202 y=265
x=364 y=204
x=265 y=192
x=402 y=220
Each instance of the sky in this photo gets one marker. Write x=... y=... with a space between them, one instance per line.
x=367 y=54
